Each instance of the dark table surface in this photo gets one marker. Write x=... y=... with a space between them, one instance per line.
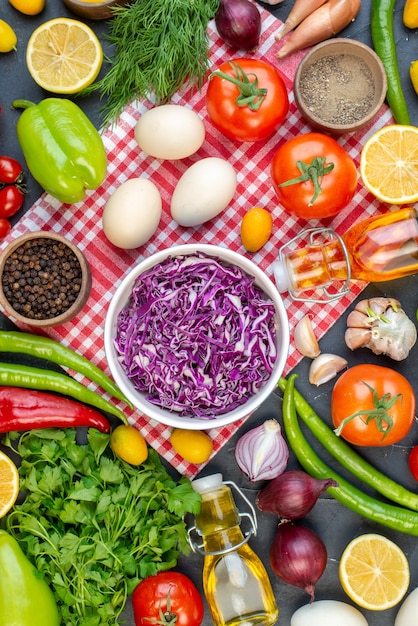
x=332 y=521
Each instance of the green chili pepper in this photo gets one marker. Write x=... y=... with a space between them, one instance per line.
x=46 y=348
x=348 y=457
x=63 y=150
x=29 y=377
x=381 y=23
x=25 y=597
x=395 y=517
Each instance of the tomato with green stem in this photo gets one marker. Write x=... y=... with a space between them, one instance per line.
x=168 y=598
x=372 y=405
x=247 y=99
x=313 y=176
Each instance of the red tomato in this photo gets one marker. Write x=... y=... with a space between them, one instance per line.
x=236 y=119
x=377 y=402
x=4 y=228
x=11 y=200
x=10 y=170
x=337 y=186
x=413 y=462
x=171 y=594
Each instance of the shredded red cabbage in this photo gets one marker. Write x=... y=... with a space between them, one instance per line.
x=197 y=336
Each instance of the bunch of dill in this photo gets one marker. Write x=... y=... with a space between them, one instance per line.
x=160 y=47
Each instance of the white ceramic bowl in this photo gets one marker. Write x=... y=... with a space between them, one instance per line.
x=170 y=418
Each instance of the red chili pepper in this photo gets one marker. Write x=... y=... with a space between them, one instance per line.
x=26 y=409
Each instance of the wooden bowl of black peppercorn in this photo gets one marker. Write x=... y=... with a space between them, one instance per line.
x=45 y=279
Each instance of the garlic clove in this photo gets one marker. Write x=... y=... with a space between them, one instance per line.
x=304 y=338
x=325 y=367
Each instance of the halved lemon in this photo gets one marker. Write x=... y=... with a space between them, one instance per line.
x=389 y=164
x=374 y=572
x=64 y=55
x=9 y=483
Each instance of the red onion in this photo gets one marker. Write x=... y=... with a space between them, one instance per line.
x=239 y=23
x=262 y=453
x=298 y=556
x=292 y=494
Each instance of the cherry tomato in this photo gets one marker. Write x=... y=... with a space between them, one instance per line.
x=372 y=405
x=413 y=462
x=168 y=595
x=4 y=228
x=230 y=112
x=10 y=170
x=11 y=200
x=304 y=158
x=12 y=186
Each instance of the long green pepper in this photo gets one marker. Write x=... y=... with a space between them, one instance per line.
x=381 y=23
x=46 y=348
x=348 y=458
x=28 y=377
x=353 y=498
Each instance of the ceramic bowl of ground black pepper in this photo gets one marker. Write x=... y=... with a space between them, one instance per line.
x=340 y=86
x=45 y=279
x=94 y=9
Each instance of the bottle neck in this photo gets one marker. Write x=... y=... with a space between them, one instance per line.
x=218 y=520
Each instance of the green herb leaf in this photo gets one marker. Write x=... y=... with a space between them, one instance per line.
x=160 y=47
x=94 y=525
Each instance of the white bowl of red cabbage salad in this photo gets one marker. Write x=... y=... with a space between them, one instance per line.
x=196 y=336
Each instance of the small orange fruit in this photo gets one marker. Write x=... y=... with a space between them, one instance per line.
x=256 y=228
x=9 y=483
x=194 y=446
x=128 y=444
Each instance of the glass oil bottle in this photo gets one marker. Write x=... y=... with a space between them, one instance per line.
x=235 y=581
x=380 y=248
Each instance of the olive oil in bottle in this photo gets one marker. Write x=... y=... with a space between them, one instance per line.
x=380 y=248
x=235 y=581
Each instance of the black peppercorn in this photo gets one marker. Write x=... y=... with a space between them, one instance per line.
x=42 y=279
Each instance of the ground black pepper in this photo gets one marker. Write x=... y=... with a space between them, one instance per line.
x=42 y=279
x=338 y=89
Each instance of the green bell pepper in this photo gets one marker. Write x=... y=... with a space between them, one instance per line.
x=25 y=597
x=63 y=150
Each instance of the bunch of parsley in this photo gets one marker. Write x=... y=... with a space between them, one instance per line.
x=93 y=525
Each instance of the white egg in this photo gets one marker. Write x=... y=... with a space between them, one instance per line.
x=328 y=613
x=170 y=131
x=132 y=213
x=204 y=190
x=407 y=614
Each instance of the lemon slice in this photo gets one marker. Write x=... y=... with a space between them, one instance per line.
x=64 y=55
x=389 y=164
x=374 y=572
x=9 y=483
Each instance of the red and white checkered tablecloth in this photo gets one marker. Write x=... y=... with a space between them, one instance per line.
x=81 y=222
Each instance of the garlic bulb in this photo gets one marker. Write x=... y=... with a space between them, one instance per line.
x=262 y=453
